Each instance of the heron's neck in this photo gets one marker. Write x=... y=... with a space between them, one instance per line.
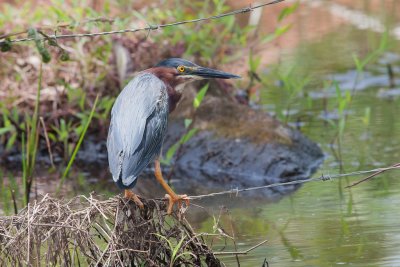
x=173 y=98
x=174 y=86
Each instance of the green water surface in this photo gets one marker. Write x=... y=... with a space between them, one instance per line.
x=324 y=224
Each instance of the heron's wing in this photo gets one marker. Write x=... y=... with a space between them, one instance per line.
x=138 y=124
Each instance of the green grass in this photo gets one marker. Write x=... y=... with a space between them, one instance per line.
x=30 y=144
x=78 y=145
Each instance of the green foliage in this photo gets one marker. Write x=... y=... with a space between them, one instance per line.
x=190 y=131
x=78 y=145
x=280 y=30
x=3 y=192
x=64 y=56
x=254 y=63
x=367 y=116
x=277 y=33
x=40 y=45
x=292 y=85
x=67 y=130
x=8 y=131
x=361 y=63
x=104 y=108
x=343 y=102
x=8 y=187
x=5 y=45
x=62 y=134
x=30 y=142
x=200 y=95
x=206 y=40
x=288 y=10
x=175 y=248
x=174 y=148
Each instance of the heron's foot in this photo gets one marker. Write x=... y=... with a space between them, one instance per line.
x=172 y=199
x=132 y=196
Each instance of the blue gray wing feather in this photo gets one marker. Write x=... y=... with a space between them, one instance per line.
x=137 y=129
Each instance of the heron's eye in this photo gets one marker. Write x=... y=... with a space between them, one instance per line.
x=181 y=68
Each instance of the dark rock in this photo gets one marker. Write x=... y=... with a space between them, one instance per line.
x=238 y=147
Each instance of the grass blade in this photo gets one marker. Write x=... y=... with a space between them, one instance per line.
x=78 y=145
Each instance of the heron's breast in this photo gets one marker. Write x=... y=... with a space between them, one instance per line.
x=173 y=98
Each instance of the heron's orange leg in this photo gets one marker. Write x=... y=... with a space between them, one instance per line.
x=171 y=195
x=132 y=196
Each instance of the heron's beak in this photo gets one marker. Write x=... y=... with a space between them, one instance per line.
x=211 y=73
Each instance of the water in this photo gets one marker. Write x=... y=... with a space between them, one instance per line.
x=324 y=224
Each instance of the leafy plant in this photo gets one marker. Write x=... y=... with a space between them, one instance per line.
x=8 y=130
x=175 y=249
x=78 y=145
x=280 y=30
x=361 y=63
x=63 y=132
x=30 y=144
x=196 y=37
x=8 y=193
x=293 y=85
x=343 y=102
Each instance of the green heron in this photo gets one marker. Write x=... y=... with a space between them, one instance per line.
x=139 y=121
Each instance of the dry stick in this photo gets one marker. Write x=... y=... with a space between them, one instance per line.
x=94 y=205
x=132 y=250
x=47 y=141
x=29 y=237
x=240 y=252
x=221 y=231
x=233 y=237
x=58 y=226
x=151 y=27
x=397 y=165
x=8 y=35
x=14 y=201
x=111 y=240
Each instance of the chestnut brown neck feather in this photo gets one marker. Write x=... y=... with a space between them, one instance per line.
x=168 y=76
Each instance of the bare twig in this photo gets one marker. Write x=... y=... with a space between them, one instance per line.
x=372 y=175
x=240 y=252
x=47 y=141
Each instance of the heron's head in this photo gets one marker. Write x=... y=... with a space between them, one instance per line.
x=186 y=71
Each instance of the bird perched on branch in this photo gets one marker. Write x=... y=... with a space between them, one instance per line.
x=139 y=120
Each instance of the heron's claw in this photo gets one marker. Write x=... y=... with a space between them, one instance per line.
x=172 y=199
x=132 y=196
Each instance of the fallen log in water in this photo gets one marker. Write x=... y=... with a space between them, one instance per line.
x=87 y=231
